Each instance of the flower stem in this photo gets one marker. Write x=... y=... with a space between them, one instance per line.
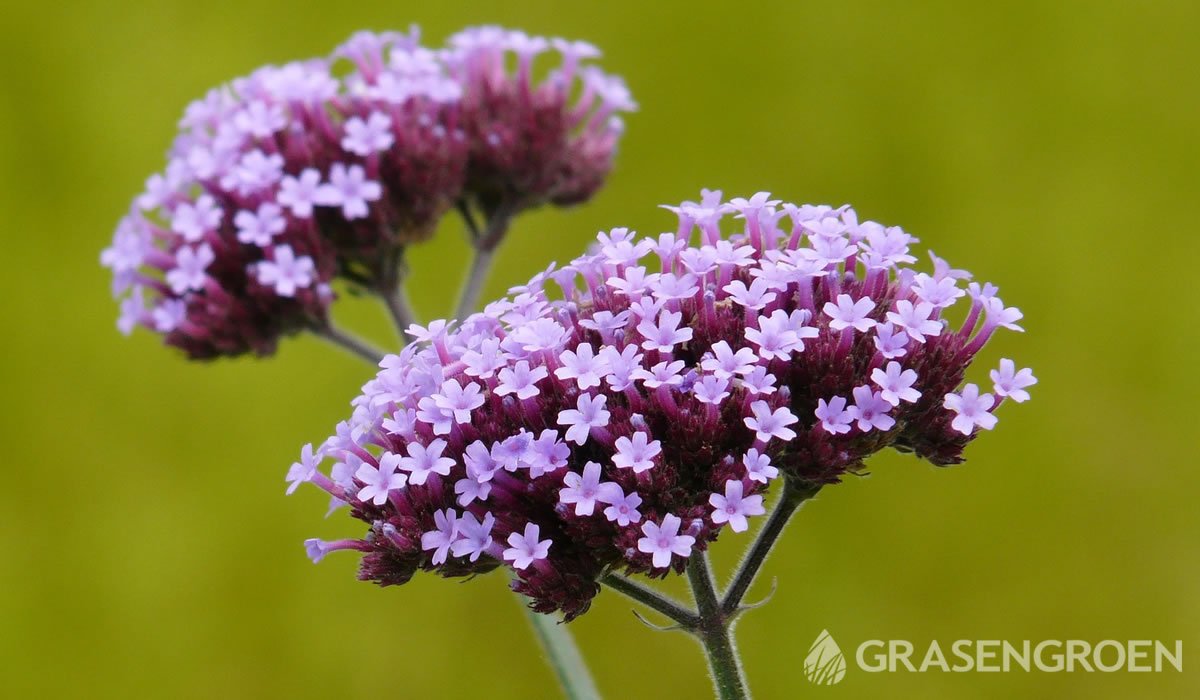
x=652 y=599
x=715 y=632
x=713 y=622
x=348 y=342
x=401 y=312
x=484 y=242
x=793 y=495
x=563 y=656
x=561 y=653
x=473 y=284
x=390 y=288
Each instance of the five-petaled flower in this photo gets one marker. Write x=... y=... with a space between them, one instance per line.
x=733 y=507
x=524 y=549
x=664 y=541
x=971 y=409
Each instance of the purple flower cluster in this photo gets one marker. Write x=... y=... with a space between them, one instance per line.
x=530 y=143
x=624 y=423
x=297 y=174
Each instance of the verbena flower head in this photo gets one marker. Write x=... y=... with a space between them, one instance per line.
x=536 y=135
x=296 y=174
x=623 y=421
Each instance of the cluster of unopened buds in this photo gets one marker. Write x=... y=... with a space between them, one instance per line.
x=298 y=174
x=617 y=413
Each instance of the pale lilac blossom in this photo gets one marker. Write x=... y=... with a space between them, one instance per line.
x=734 y=507
x=664 y=541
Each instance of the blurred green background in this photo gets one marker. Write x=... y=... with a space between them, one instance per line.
x=1050 y=147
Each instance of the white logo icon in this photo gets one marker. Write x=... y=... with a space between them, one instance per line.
x=825 y=664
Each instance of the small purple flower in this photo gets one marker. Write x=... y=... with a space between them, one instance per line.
x=664 y=541
x=193 y=219
x=299 y=194
x=285 y=272
x=664 y=334
x=365 y=137
x=758 y=466
x=460 y=400
x=896 y=385
x=768 y=424
x=189 y=271
x=733 y=507
x=521 y=380
x=261 y=226
x=971 y=410
x=586 y=490
x=890 y=342
x=711 y=390
x=915 y=319
x=524 y=549
x=588 y=414
x=349 y=189
x=870 y=410
x=422 y=461
x=834 y=416
x=582 y=365
x=623 y=509
x=442 y=537
x=379 y=481
x=302 y=471
x=636 y=453
x=725 y=363
x=1010 y=383
x=474 y=536
x=849 y=313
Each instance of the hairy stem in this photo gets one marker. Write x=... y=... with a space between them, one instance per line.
x=484 y=242
x=563 y=656
x=713 y=622
x=390 y=288
x=652 y=599
x=349 y=343
x=715 y=632
x=481 y=262
x=561 y=653
x=398 y=307
x=793 y=495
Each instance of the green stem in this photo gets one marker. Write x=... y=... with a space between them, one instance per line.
x=484 y=243
x=563 y=655
x=350 y=343
x=481 y=262
x=400 y=310
x=793 y=495
x=715 y=632
x=686 y=619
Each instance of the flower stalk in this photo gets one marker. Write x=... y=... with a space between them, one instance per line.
x=715 y=632
x=396 y=301
x=484 y=242
x=563 y=656
x=713 y=621
x=350 y=343
x=794 y=494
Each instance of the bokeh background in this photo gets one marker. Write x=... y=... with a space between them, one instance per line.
x=146 y=547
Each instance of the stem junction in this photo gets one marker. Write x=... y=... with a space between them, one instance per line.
x=713 y=620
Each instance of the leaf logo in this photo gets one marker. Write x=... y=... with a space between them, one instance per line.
x=825 y=664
